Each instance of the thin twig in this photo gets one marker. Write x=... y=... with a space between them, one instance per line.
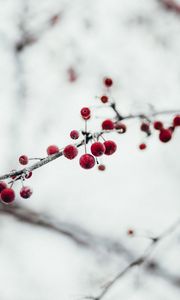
x=88 y=137
x=137 y=262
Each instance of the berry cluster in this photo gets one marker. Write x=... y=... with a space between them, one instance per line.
x=94 y=153
x=165 y=133
x=7 y=193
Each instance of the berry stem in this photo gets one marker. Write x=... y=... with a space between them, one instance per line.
x=87 y=138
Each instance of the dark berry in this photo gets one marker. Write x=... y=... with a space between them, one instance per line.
x=87 y=161
x=165 y=135
x=145 y=127
x=7 y=195
x=52 y=149
x=97 y=149
x=74 y=134
x=176 y=121
x=23 y=159
x=158 y=125
x=110 y=147
x=104 y=99
x=142 y=146
x=108 y=82
x=70 y=151
x=107 y=125
x=26 y=192
x=101 y=167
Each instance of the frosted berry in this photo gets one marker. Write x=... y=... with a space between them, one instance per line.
x=158 y=125
x=142 y=146
x=101 y=167
x=176 y=121
x=110 y=147
x=74 y=134
x=97 y=149
x=165 y=135
x=23 y=159
x=85 y=113
x=120 y=127
x=26 y=192
x=52 y=149
x=108 y=82
x=145 y=127
x=7 y=195
x=3 y=186
x=107 y=125
x=104 y=99
x=87 y=161
x=70 y=151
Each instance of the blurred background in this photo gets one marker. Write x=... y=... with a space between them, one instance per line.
x=53 y=56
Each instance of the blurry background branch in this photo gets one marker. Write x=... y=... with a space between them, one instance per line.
x=140 y=261
x=97 y=244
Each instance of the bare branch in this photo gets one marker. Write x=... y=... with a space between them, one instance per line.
x=75 y=233
x=137 y=262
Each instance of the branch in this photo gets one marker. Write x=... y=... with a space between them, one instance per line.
x=83 y=238
x=88 y=137
x=73 y=232
x=137 y=262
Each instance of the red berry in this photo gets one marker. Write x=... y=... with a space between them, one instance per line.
x=107 y=125
x=176 y=121
x=101 y=167
x=110 y=147
x=97 y=149
x=120 y=127
x=165 y=135
x=142 y=146
x=74 y=134
x=23 y=159
x=70 y=151
x=7 y=195
x=145 y=127
x=85 y=113
x=28 y=175
x=52 y=149
x=87 y=161
x=104 y=99
x=108 y=82
x=158 y=125
x=3 y=186
x=26 y=192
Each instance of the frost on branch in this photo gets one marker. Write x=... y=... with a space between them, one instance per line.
x=100 y=144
